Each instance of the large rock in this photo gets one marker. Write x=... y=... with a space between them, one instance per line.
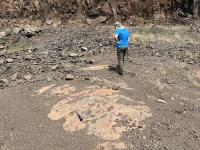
x=97 y=20
x=29 y=31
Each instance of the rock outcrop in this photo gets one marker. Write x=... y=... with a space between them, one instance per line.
x=111 y=9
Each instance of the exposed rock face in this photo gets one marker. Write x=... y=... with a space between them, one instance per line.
x=111 y=9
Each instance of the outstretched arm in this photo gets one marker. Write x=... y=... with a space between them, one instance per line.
x=115 y=37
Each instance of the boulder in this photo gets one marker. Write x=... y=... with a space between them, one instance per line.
x=97 y=20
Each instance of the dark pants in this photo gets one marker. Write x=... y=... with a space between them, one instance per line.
x=121 y=53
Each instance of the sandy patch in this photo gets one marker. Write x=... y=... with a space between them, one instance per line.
x=44 y=89
x=95 y=68
x=97 y=110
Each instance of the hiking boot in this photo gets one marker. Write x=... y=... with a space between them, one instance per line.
x=121 y=73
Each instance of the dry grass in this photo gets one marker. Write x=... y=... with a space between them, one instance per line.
x=18 y=48
x=177 y=34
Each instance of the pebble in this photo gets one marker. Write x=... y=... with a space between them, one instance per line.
x=49 y=79
x=2 y=53
x=2 y=61
x=2 y=34
x=95 y=79
x=115 y=87
x=161 y=101
x=89 y=61
x=9 y=60
x=100 y=44
x=54 y=67
x=28 y=77
x=73 y=55
x=2 y=47
x=5 y=81
x=17 y=30
x=86 y=78
x=69 y=77
x=14 y=77
x=28 y=57
x=172 y=98
x=84 y=49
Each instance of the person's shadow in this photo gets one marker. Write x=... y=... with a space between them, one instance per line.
x=114 y=68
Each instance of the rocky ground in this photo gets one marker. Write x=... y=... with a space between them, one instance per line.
x=64 y=79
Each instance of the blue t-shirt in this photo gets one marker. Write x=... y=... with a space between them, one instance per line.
x=123 y=38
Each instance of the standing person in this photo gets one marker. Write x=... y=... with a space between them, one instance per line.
x=122 y=39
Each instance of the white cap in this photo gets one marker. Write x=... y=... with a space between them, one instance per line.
x=118 y=24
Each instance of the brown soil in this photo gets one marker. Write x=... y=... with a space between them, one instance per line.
x=75 y=99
